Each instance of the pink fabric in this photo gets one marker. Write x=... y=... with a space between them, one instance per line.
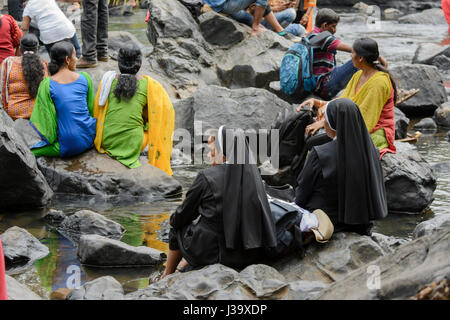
x=446 y=8
x=325 y=55
x=387 y=122
x=3 y=295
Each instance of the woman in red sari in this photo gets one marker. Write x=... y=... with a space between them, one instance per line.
x=10 y=35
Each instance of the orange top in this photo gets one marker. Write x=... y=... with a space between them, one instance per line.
x=20 y=104
x=310 y=3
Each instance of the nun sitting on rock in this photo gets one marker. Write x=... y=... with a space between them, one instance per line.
x=235 y=223
x=344 y=177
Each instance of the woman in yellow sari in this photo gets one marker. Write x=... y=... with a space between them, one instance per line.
x=133 y=112
x=373 y=90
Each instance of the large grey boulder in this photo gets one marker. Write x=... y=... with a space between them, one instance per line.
x=400 y=274
x=433 y=16
x=18 y=291
x=438 y=224
x=103 y=288
x=427 y=78
x=442 y=115
x=21 y=249
x=86 y=222
x=212 y=106
x=409 y=180
x=442 y=62
x=401 y=124
x=23 y=185
x=220 y=30
x=116 y=39
x=95 y=250
x=426 y=52
x=218 y=282
x=92 y=173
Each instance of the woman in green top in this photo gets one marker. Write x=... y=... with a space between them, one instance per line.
x=124 y=135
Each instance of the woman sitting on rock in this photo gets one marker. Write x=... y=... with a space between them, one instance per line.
x=21 y=77
x=235 y=223
x=62 y=114
x=343 y=177
x=134 y=112
x=373 y=90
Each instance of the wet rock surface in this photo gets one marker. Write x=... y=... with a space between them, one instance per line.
x=436 y=225
x=18 y=291
x=95 y=250
x=426 y=78
x=426 y=125
x=409 y=180
x=22 y=184
x=402 y=272
x=401 y=124
x=92 y=173
x=104 y=288
x=433 y=16
x=21 y=249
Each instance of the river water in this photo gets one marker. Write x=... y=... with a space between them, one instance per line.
x=142 y=219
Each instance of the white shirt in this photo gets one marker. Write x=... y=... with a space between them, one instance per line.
x=53 y=25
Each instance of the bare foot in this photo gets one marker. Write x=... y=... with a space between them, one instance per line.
x=259 y=29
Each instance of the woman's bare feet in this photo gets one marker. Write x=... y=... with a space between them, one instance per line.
x=258 y=29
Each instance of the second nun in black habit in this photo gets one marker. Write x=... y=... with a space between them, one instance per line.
x=234 y=223
x=344 y=177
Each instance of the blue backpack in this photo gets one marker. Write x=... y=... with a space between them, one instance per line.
x=296 y=71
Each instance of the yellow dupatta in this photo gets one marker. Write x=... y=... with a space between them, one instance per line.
x=161 y=118
x=371 y=96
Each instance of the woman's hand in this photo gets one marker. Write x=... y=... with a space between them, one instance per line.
x=314 y=127
x=308 y=103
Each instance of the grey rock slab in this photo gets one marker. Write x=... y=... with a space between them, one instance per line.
x=401 y=273
x=18 y=291
x=426 y=124
x=401 y=124
x=442 y=115
x=95 y=250
x=433 y=16
x=305 y=290
x=92 y=173
x=426 y=52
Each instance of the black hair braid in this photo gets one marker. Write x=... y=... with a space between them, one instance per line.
x=130 y=61
x=33 y=69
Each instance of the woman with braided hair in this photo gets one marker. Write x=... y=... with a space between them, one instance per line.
x=20 y=79
x=133 y=112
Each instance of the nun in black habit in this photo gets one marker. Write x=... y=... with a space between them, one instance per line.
x=234 y=223
x=344 y=177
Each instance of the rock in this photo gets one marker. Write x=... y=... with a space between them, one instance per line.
x=92 y=173
x=401 y=124
x=434 y=291
x=392 y=14
x=60 y=294
x=332 y=261
x=180 y=158
x=220 y=30
x=254 y=62
x=213 y=106
x=55 y=217
x=86 y=222
x=401 y=273
x=21 y=248
x=427 y=78
x=95 y=250
x=305 y=290
x=32 y=280
x=409 y=180
x=163 y=232
x=430 y=16
x=18 y=291
x=439 y=224
x=448 y=136
x=426 y=124
x=442 y=167
x=442 y=62
x=426 y=52
x=388 y=243
x=361 y=6
x=26 y=131
x=23 y=185
x=125 y=10
x=442 y=115
x=117 y=39
x=217 y=282
x=104 y=288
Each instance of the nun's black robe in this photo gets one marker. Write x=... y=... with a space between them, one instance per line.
x=202 y=243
